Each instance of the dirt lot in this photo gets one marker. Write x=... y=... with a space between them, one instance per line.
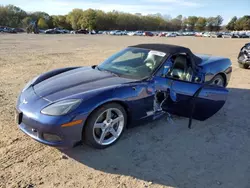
x=214 y=153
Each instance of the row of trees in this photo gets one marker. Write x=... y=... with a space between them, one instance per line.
x=242 y=23
x=13 y=16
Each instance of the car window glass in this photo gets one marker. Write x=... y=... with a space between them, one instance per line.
x=128 y=56
x=133 y=62
x=181 y=68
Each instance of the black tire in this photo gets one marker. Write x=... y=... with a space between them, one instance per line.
x=88 y=136
x=243 y=66
x=218 y=76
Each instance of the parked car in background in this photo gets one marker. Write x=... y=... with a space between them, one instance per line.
x=243 y=35
x=171 y=35
x=19 y=30
x=206 y=34
x=227 y=35
x=9 y=30
x=148 y=33
x=136 y=33
x=188 y=33
x=116 y=32
x=41 y=31
x=66 y=31
x=198 y=34
x=53 y=31
x=179 y=33
x=105 y=32
x=216 y=35
x=81 y=31
x=244 y=56
x=219 y=35
x=162 y=34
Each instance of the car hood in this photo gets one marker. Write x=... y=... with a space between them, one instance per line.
x=75 y=82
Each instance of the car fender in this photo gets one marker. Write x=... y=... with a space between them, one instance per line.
x=221 y=66
x=135 y=97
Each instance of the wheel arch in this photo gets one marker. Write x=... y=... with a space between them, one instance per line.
x=122 y=103
x=224 y=77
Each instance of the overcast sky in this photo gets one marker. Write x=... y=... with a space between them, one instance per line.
x=226 y=8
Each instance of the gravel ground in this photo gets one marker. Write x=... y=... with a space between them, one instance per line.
x=214 y=153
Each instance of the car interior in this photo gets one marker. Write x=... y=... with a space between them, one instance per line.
x=182 y=67
x=141 y=64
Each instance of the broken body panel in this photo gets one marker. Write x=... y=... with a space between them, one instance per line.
x=177 y=97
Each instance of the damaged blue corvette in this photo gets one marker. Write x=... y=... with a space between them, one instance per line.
x=138 y=84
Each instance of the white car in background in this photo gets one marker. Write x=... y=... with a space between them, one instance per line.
x=206 y=34
x=171 y=35
x=136 y=33
x=116 y=32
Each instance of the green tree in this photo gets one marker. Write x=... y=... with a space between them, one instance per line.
x=11 y=16
x=177 y=23
x=243 y=23
x=3 y=16
x=184 y=24
x=217 y=22
x=14 y=16
x=231 y=24
x=201 y=24
x=61 y=22
x=74 y=18
x=88 y=19
x=214 y=23
x=191 y=22
x=42 y=23
x=26 y=21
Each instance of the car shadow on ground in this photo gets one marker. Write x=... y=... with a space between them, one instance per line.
x=208 y=155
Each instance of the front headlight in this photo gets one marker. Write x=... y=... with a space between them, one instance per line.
x=29 y=83
x=62 y=107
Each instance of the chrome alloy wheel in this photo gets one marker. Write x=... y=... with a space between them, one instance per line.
x=218 y=81
x=108 y=126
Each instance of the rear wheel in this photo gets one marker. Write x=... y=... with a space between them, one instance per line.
x=243 y=66
x=219 y=81
x=105 y=126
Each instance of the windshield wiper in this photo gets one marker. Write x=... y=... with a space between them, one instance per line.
x=108 y=71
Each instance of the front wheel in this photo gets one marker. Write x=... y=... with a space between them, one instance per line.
x=105 y=126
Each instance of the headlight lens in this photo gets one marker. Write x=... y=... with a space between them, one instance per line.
x=62 y=107
x=29 y=83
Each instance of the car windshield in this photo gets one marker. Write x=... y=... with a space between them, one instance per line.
x=134 y=63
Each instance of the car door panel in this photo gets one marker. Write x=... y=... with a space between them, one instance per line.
x=181 y=98
x=210 y=100
x=180 y=95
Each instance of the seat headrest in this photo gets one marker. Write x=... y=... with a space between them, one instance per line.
x=150 y=57
x=181 y=59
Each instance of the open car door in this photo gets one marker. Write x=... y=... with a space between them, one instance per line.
x=193 y=100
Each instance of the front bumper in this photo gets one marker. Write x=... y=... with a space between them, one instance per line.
x=38 y=126
x=246 y=61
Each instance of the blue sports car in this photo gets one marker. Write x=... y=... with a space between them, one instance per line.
x=140 y=83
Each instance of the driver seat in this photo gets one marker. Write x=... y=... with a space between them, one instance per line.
x=179 y=67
